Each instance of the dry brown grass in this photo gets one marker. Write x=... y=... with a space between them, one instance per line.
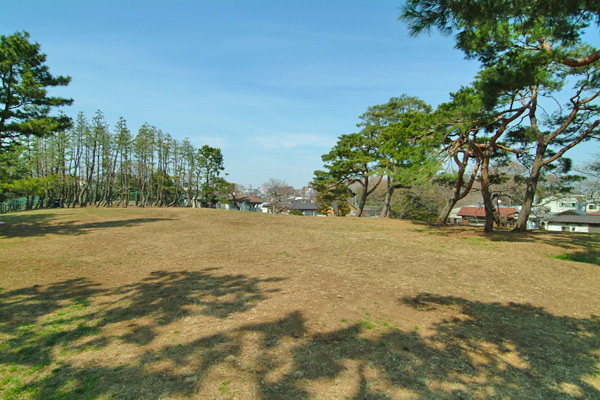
x=207 y=304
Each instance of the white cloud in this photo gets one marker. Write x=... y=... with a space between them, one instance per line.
x=286 y=140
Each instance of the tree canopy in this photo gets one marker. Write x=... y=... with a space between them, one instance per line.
x=534 y=59
x=25 y=104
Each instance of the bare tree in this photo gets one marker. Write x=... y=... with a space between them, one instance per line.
x=279 y=192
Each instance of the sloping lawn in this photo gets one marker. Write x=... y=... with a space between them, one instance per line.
x=209 y=304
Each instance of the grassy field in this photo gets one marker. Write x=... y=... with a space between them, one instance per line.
x=208 y=304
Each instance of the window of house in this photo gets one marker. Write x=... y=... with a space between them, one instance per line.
x=592 y=206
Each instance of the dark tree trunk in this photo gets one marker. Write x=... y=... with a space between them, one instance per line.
x=363 y=198
x=385 y=211
x=532 y=181
x=485 y=193
x=456 y=192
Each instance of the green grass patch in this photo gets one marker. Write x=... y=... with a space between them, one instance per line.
x=223 y=387
x=584 y=257
x=366 y=323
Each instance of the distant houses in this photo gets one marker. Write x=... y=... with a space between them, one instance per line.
x=475 y=215
x=300 y=201
x=574 y=213
x=573 y=221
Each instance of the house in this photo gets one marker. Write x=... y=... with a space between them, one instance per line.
x=453 y=217
x=265 y=208
x=245 y=203
x=368 y=211
x=306 y=207
x=276 y=207
x=475 y=215
x=249 y=203
x=573 y=222
x=555 y=205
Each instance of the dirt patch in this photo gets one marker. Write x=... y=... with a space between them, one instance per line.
x=186 y=303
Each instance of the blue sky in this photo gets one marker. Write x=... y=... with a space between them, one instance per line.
x=272 y=83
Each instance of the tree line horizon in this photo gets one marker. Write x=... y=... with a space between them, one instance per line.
x=90 y=164
x=534 y=98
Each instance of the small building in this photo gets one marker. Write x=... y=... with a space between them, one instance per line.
x=307 y=208
x=573 y=222
x=245 y=203
x=556 y=205
x=453 y=217
x=250 y=203
x=475 y=215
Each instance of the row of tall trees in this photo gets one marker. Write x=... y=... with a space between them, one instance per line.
x=63 y=162
x=94 y=164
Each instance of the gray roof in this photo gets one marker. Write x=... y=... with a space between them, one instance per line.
x=304 y=205
x=577 y=219
x=571 y=212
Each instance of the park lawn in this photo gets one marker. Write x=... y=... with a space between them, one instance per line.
x=194 y=303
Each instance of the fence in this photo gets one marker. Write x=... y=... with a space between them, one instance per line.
x=14 y=205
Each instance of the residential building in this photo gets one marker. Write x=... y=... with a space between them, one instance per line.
x=573 y=222
x=453 y=217
x=555 y=205
x=306 y=207
x=475 y=215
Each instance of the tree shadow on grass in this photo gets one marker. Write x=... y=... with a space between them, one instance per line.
x=27 y=218
x=487 y=350
x=41 y=326
x=168 y=296
x=44 y=226
x=32 y=319
x=579 y=247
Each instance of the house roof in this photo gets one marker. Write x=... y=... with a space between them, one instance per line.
x=285 y=205
x=254 y=199
x=304 y=205
x=506 y=212
x=247 y=199
x=576 y=219
x=571 y=212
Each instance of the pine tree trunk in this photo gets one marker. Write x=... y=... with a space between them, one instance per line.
x=385 y=211
x=445 y=213
x=532 y=181
x=363 y=199
x=485 y=193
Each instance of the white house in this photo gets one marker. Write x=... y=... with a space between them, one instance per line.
x=556 y=205
x=453 y=217
x=574 y=222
